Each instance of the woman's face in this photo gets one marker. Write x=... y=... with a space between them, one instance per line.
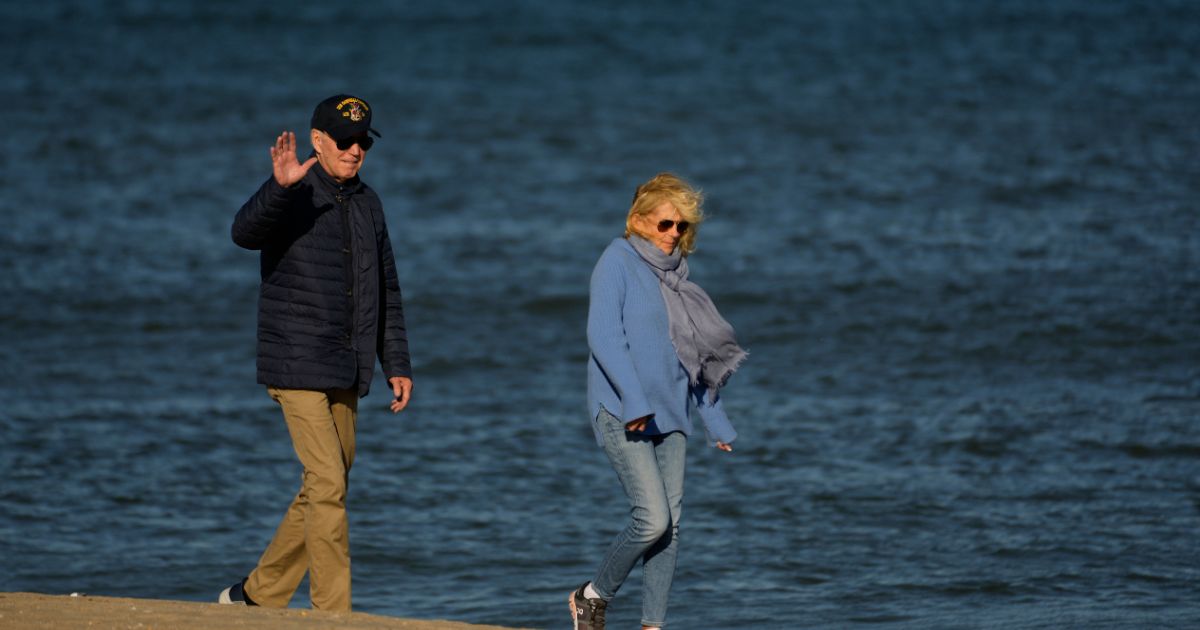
x=664 y=216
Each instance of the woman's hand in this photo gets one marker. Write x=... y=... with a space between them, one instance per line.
x=724 y=447
x=639 y=425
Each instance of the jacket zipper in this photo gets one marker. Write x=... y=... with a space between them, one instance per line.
x=348 y=260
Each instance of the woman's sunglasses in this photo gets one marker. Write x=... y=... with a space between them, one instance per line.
x=666 y=224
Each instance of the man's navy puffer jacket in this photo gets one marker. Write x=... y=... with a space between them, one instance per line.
x=330 y=299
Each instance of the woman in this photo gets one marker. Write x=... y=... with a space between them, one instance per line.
x=657 y=341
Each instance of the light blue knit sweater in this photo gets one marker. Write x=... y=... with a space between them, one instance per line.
x=633 y=370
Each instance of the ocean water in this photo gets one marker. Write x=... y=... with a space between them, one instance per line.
x=961 y=241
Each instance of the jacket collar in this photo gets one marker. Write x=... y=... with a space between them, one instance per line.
x=327 y=182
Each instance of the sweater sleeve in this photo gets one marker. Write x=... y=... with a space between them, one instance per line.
x=607 y=340
x=262 y=213
x=712 y=412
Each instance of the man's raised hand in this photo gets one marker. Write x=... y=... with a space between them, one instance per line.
x=288 y=169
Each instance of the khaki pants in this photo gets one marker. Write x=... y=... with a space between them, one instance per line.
x=314 y=535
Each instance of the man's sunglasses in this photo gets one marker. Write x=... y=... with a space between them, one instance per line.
x=666 y=224
x=364 y=141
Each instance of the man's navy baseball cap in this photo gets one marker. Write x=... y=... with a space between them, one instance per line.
x=343 y=116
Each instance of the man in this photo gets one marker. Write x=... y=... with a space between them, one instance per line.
x=329 y=302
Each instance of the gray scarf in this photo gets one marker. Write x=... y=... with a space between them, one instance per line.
x=702 y=338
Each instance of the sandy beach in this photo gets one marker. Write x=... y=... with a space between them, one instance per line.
x=33 y=610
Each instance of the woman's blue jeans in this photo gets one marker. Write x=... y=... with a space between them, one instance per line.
x=650 y=468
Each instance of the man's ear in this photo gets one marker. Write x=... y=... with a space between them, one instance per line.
x=314 y=136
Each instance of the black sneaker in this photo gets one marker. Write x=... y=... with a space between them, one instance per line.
x=587 y=613
x=236 y=594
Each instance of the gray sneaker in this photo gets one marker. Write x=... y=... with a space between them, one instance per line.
x=588 y=614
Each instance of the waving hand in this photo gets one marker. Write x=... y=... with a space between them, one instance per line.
x=288 y=169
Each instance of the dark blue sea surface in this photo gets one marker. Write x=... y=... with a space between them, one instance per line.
x=961 y=241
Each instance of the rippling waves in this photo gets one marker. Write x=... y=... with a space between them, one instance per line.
x=959 y=239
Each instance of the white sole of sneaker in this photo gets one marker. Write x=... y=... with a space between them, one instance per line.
x=224 y=598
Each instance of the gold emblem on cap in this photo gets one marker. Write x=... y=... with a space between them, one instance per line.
x=357 y=111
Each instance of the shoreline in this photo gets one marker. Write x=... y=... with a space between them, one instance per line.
x=37 y=610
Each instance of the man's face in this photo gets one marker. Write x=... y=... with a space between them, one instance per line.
x=341 y=164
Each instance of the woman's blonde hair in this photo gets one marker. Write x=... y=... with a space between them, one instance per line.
x=672 y=188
